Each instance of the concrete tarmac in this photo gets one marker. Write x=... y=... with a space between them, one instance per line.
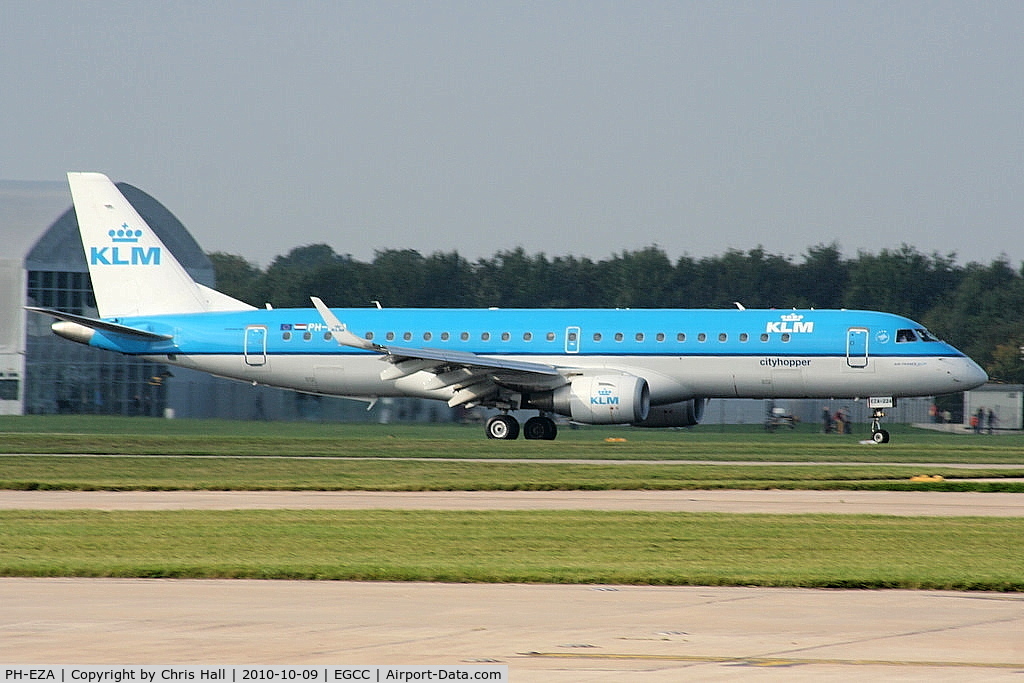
x=543 y=633
x=927 y=503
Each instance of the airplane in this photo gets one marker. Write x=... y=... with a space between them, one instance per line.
x=642 y=367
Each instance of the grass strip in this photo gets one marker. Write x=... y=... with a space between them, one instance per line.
x=295 y=474
x=144 y=436
x=832 y=551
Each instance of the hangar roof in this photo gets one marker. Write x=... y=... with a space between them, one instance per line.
x=38 y=224
x=27 y=208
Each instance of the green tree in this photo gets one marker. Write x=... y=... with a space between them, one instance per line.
x=902 y=281
x=636 y=279
x=450 y=281
x=756 y=279
x=822 y=278
x=236 y=277
x=288 y=280
x=984 y=312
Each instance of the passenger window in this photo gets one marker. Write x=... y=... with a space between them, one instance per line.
x=464 y=336
x=445 y=336
x=660 y=336
x=722 y=336
x=390 y=336
x=702 y=337
x=407 y=336
x=744 y=336
x=369 y=335
x=550 y=336
x=505 y=336
x=764 y=336
x=327 y=336
x=527 y=336
x=485 y=336
x=785 y=336
x=618 y=336
x=572 y=337
x=681 y=337
x=639 y=336
x=306 y=336
x=287 y=336
x=427 y=336
x=597 y=336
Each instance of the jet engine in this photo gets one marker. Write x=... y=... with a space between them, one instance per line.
x=600 y=400
x=682 y=414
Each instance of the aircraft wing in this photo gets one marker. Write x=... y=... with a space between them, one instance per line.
x=473 y=376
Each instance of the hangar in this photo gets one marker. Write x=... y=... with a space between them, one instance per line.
x=43 y=264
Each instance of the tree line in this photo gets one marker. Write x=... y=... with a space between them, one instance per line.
x=979 y=308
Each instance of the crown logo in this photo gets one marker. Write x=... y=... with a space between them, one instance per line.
x=792 y=317
x=124 y=234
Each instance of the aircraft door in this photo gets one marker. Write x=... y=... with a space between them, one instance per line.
x=255 y=347
x=572 y=339
x=857 y=347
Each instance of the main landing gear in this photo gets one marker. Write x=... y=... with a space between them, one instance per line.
x=506 y=427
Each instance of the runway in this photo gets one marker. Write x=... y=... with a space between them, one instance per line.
x=542 y=632
x=914 y=503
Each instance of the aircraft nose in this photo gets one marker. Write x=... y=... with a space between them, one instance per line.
x=971 y=374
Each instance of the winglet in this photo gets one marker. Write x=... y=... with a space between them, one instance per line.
x=339 y=330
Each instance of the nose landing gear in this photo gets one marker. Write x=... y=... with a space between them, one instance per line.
x=878 y=405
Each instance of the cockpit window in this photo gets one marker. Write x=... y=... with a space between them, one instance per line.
x=916 y=334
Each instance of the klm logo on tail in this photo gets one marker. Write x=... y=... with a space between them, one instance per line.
x=119 y=255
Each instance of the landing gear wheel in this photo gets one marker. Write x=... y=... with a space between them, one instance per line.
x=540 y=427
x=878 y=435
x=503 y=427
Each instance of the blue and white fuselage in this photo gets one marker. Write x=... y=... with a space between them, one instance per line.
x=683 y=354
x=649 y=367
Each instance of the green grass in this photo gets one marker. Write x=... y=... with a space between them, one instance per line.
x=549 y=547
x=30 y=472
x=145 y=436
x=537 y=546
x=335 y=458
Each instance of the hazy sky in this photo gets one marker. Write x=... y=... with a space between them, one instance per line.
x=583 y=128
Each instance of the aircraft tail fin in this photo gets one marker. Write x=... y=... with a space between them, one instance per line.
x=132 y=271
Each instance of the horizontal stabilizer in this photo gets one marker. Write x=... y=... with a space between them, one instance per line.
x=101 y=325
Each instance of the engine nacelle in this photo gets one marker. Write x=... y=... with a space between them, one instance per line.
x=599 y=400
x=682 y=414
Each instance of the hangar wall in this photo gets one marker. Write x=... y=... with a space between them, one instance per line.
x=12 y=341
